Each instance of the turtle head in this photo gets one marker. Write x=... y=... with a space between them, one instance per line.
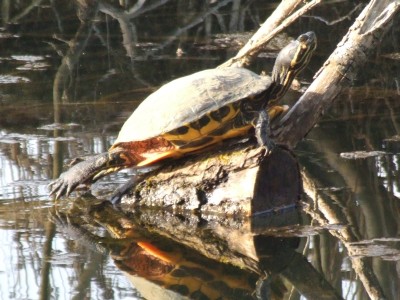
x=291 y=60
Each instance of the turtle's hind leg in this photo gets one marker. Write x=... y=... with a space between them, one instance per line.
x=124 y=189
x=128 y=186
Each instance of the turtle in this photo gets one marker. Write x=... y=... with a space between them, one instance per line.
x=193 y=113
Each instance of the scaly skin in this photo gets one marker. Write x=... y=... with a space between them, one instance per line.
x=87 y=171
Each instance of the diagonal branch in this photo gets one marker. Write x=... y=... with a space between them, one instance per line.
x=338 y=72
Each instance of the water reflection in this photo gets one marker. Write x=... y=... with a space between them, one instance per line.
x=348 y=239
x=38 y=262
x=210 y=259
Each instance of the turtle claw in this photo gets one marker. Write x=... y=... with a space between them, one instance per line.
x=83 y=171
x=63 y=186
x=57 y=189
x=54 y=188
x=269 y=147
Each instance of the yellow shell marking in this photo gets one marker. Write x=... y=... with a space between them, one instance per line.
x=201 y=128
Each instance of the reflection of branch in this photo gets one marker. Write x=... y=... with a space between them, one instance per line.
x=279 y=20
x=393 y=116
x=235 y=16
x=76 y=46
x=124 y=17
x=326 y=213
x=56 y=15
x=330 y=23
x=137 y=7
x=5 y=11
x=199 y=19
x=128 y=29
x=47 y=254
x=135 y=12
x=26 y=11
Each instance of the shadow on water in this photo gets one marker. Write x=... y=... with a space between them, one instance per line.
x=72 y=72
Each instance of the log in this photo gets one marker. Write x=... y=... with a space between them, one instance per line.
x=238 y=180
x=241 y=180
x=244 y=180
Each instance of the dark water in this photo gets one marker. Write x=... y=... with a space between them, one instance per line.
x=66 y=87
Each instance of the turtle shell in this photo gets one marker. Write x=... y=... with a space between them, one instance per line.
x=187 y=99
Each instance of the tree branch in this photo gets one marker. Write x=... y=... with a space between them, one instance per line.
x=338 y=72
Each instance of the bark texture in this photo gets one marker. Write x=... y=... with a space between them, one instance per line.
x=242 y=180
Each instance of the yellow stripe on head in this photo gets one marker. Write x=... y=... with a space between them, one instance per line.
x=290 y=61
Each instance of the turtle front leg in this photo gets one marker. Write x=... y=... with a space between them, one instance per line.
x=262 y=131
x=82 y=172
x=90 y=170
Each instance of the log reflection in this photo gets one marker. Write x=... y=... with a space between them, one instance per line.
x=168 y=255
